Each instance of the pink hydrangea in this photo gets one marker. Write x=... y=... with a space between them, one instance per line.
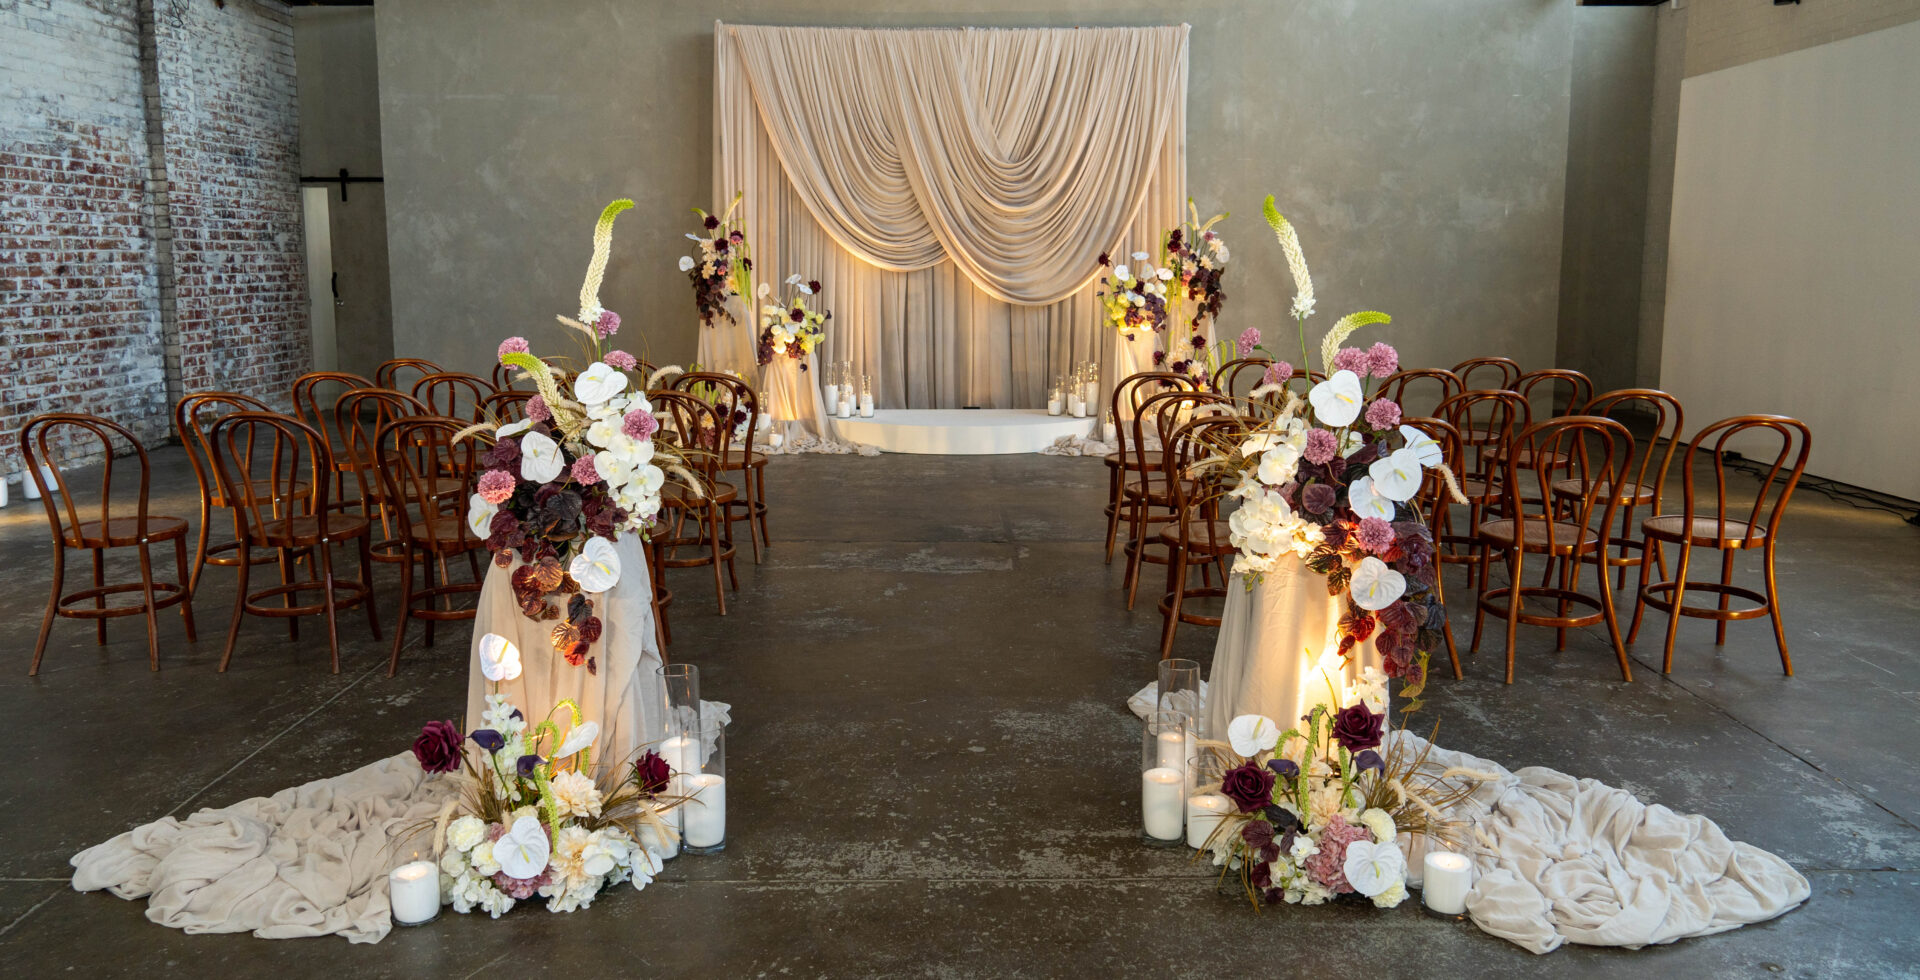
x=1375 y=535
x=1249 y=339
x=1383 y=413
x=620 y=359
x=1277 y=373
x=1321 y=447
x=608 y=324
x=514 y=345
x=496 y=486
x=1350 y=359
x=537 y=410
x=1328 y=867
x=1382 y=360
x=640 y=424
x=584 y=472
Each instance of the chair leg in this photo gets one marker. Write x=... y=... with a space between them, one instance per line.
x=152 y=611
x=747 y=490
x=1176 y=595
x=723 y=526
x=323 y=560
x=1726 y=579
x=286 y=599
x=1446 y=622
x=100 y=601
x=406 y=608
x=1479 y=609
x=1773 y=610
x=53 y=604
x=1613 y=620
x=1518 y=557
x=1679 y=600
x=713 y=539
x=239 y=608
x=426 y=572
x=760 y=512
x=1115 y=480
x=1650 y=547
x=366 y=576
x=186 y=601
x=192 y=580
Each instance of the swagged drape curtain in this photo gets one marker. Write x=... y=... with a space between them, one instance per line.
x=952 y=189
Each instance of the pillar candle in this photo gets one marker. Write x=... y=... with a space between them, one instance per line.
x=1444 y=882
x=705 y=819
x=1162 y=799
x=832 y=396
x=1173 y=750
x=413 y=890
x=866 y=406
x=1204 y=813
x=1053 y=404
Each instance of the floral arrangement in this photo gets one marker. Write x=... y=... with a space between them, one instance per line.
x=791 y=327
x=562 y=484
x=1332 y=480
x=1198 y=256
x=1134 y=297
x=725 y=267
x=1319 y=813
x=529 y=818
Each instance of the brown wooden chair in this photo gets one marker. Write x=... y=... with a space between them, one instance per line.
x=1649 y=485
x=1125 y=403
x=1548 y=383
x=1434 y=501
x=506 y=406
x=400 y=373
x=43 y=441
x=193 y=418
x=1396 y=386
x=260 y=458
x=1691 y=528
x=1599 y=450
x=1486 y=420
x=359 y=416
x=706 y=438
x=314 y=395
x=736 y=400
x=505 y=378
x=453 y=394
x=1197 y=536
x=1150 y=501
x=1506 y=372
x=1238 y=377
x=417 y=458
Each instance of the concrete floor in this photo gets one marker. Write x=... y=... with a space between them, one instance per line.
x=932 y=764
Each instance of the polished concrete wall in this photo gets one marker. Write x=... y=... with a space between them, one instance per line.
x=1421 y=146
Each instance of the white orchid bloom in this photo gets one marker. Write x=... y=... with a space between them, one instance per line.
x=1366 y=502
x=1278 y=465
x=598 y=383
x=1336 y=401
x=1397 y=477
x=512 y=429
x=650 y=479
x=601 y=433
x=581 y=736
x=1372 y=868
x=480 y=516
x=1375 y=586
x=597 y=567
x=613 y=467
x=540 y=458
x=523 y=851
x=1258 y=443
x=499 y=658
x=1426 y=449
x=686 y=263
x=1351 y=443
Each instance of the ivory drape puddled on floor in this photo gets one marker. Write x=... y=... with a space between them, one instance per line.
x=952 y=190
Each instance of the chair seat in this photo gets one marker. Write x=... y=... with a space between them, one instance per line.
x=263 y=490
x=294 y=532
x=1474 y=488
x=448 y=534
x=123 y=531
x=1197 y=542
x=1630 y=493
x=1565 y=535
x=1128 y=461
x=1524 y=458
x=674 y=495
x=1706 y=531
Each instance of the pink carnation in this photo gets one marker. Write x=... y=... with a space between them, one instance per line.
x=1321 y=447
x=640 y=424
x=1328 y=867
x=1382 y=360
x=537 y=410
x=608 y=324
x=1350 y=359
x=1383 y=413
x=496 y=486
x=1249 y=339
x=620 y=359
x=584 y=472
x=514 y=345
x=1277 y=373
x=1375 y=535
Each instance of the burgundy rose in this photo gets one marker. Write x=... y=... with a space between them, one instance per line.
x=651 y=772
x=813 y=286
x=438 y=747
x=711 y=223
x=1249 y=786
x=1357 y=728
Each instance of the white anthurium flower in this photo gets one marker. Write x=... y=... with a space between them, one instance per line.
x=1164 y=275
x=597 y=567
x=1398 y=476
x=1251 y=735
x=1120 y=273
x=1336 y=401
x=540 y=458
x=793 y=280
x=512 y=429
x=523 y=850
x=480 y=516
x=686 y=263
x=499 y=658
x=598 y=383
x=695 y=237
x=806 y=288
x=1375 y=586
x=1372 y=868
x=1426 y=449
x=763 y=290
x=1366 y=502
x=1139 y=256
x=581 y=736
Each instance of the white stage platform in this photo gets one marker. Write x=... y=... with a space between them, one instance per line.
x=961 y=431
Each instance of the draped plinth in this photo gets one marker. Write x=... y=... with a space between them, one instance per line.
x=729 y=344
x=1272 y=634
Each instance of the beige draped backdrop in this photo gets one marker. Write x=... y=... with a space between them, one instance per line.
x=952 y=190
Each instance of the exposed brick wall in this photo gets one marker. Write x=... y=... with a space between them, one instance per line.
x=104 y=159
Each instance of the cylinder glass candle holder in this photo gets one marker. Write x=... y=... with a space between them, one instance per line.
x=413 y=893
x=1178 y=689
x=1163 y=778
x=703 y=812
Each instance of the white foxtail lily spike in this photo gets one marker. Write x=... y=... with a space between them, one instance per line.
x=1365 y=502
x=523 y=851
x=1398 y=476
x=480 y=516
x=499 y=658
x=580 y=737
x=1375 y=586
x=1251 y=735
x=1373 y=868
x=1425 y=448
x=540 y=458
x=597 y=567
x=598 y=383
x=1336 y=401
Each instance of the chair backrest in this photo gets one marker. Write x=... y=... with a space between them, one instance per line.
x=314 y=395
x=1486 y=419
x=505 y=377
x=193 y=418
x=1396 y=385
x=417 y=455
x=1433 y=493
x=1194 y=441
x=696 y=427
x=505 y=406
x=1549 y=382
x=394 y=374
x=48 y=438
x=1660 y=443
x=1505 y=370
x=732 y=397
x=360 y=414
x=1166 y=413
x=1132 y=393
x=1241 y=375
x=272 y=468
x=1776 y=484
x=1596 y=451
x=453 y=394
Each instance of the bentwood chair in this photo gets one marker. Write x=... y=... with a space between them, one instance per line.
x=1122 y=467
x=42 y=441
x=705 y=436
x=1198 y=535
x=260 y=458
x=1396 y=387
x=1598 y=450
x=505 y=406
x=1725 y=533
x=1435 y=499
x=418 y=455
x=400 y=373
x=1505 y=371
x=193 y=418
x=1546 y=385
x=453 y=394
x=1150 y=502
x=505 y=378
x=1238 y=377
x=1486 y=420
x=736 y=400
x=314 y=394
x=1649 y=484
x=360 y=415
